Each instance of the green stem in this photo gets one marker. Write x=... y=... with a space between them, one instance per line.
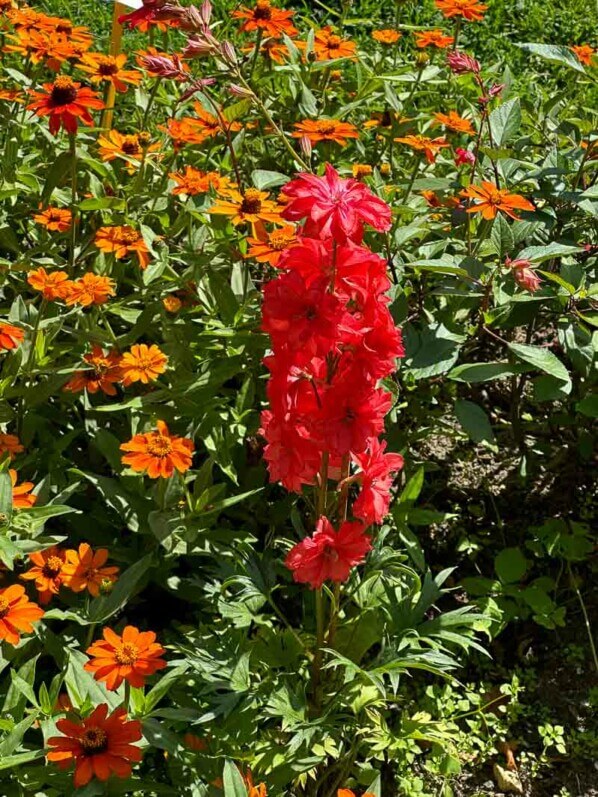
x=411 y=181
x=127 y=699
x=258 y=44
x=29 y=363
x=150 y=102
x=73 y=151
x=585 y=616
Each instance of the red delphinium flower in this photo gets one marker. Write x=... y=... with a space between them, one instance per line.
x=463 y=156
x=100 y=745
x=292 y=457
x=375 y=478
x=328 y=555
x=334 y=206
x=351 y=413
x=299 y=316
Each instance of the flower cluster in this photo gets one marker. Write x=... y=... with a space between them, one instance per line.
x=333 y=339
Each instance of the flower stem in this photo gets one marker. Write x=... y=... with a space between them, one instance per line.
x=73 y=151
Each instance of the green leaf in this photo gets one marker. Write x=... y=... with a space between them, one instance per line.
x=555 y=53
x=474 y=420
x=505 y=121
x=232 y=780
x=510 y=565
x=537 y=254
x=263 y=179
x=57 y=172
x=588 y=406
x=541 y=358
x=7 y=762
x=483 y=372
x=104 y=607
x=501 y=236
x=5 y=499
x=413 y=487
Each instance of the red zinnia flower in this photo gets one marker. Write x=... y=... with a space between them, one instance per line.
x=65 y=102
x=334 y=206
x=329 y=555
x=100 y=745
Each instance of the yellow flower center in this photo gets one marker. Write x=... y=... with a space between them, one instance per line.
x=262 y=10
x=4 y=607
x=159 y=446
x=280 y=240
x=327 y=127
x=130 y=145
x=129 y=236
x=93 y=740
x=495 y=197
x=63 y=91
x=52 y=567
x=252 y=202
x=126 y=654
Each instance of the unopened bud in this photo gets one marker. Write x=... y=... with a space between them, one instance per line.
x=421 y=59
x=305 y=144
x=385 y=169
x=460 y=63
x=228 y=52
x=200 y=47
x=240 y=91
x=206 y=12
x=144 y=139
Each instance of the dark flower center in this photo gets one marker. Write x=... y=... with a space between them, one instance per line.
x=130 y=145
x=262 y=10
x=252 y=202
x=334 y=42
x=330 y=553
x=107 y=67
x=93 y=740
x=52 y=567
x=63 y=91
x=326 y=127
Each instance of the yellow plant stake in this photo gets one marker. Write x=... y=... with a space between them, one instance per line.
x=115 y=41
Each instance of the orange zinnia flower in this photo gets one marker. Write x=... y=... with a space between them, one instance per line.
x=85 y=569
x=272 y=49
x=328 y=45
x=584 y=53
x=193 y=181
x=103 y=372
x=453 y=121
x=100 y=745
x=90 y=289
x=471 y=10
x=53 y=285
x=325 y=130
x=158 y=453
x=196 y=129
x=17 y=614
x=122 y=241
x=11 y=337
x=264 y=17
x=142 y=364
x=65 y=102
x=131 y=147
x=349 y=793
x=55 y=219
x=386 y=36
x=132 y=657
x=429 y=146
x=21 y=497
x=172 y=303
x=11 y=95
x=489 y=200
x=268 y=247
x=433 y=38
x=41 y=47
x=77 y=34
x=11 y=445
x=251 y=206
x=46 y=572
x=109 y=69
